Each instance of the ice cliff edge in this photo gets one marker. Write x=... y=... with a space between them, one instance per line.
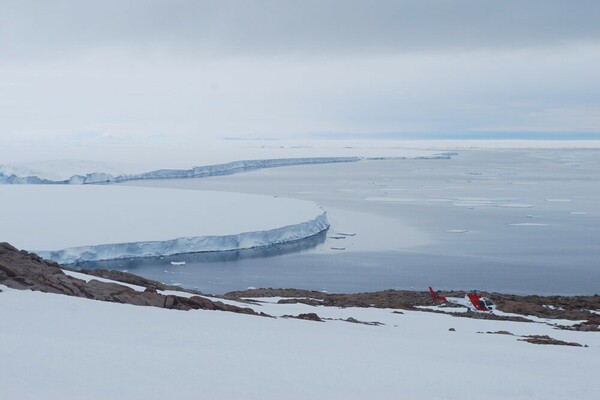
x=53 y=173
x=10 y=175
x=197 y=244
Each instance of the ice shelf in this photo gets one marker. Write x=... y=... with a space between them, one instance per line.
x=55 y=172
x=69 y=223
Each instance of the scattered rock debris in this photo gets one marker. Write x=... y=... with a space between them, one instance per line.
x=27 y=271
x=307 y=316
x=355 y=321
x=545 y=339
x=573 y=308
x=307 y=301
x=499 y=333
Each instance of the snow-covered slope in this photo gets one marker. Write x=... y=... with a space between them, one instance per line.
x=70 y=223
x=61 y=347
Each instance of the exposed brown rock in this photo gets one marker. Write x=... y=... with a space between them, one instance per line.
x=307 y=316
x=23 y=270
x=563 y=307
x=402 y=299
x=355 y=321
x=310 y=302
x=126 y=277
x=545 y=339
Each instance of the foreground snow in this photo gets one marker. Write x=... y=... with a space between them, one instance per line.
x=106 y=222
x=59 y=347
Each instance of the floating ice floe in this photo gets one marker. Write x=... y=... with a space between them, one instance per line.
x=516 y=205
x=390 y=199
x=529 y=224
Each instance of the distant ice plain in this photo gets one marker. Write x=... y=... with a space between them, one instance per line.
x=511 y=220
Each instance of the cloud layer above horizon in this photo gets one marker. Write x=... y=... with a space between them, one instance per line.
x=204 y=69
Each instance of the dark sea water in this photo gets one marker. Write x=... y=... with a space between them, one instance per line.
x=355 y=272
x=515 y=221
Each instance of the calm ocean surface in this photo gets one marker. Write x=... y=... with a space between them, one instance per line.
x=518 y=221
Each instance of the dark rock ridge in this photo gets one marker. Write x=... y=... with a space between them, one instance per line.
x=545 y=339
x=402 y=299
x=306 y=316
x=572 y=308
x=23 y=270
x=132 y=279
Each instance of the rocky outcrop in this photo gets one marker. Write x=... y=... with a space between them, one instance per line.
x=306 y=316
x=545 y=339
x=132 y=279
x=400 y=299
x=574 y=308
x=394 y=299
x=23 y=270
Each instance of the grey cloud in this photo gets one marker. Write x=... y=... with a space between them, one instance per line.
x=229 y=27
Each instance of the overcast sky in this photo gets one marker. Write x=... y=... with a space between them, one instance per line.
x=127 y=70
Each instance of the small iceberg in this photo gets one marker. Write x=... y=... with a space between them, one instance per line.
x=529 y=224
x=177 y=262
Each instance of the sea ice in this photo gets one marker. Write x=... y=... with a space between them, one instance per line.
x=529 y=224
x=516 y=205
x=390 y=199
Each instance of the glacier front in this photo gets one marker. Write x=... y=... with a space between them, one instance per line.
x=70 y=223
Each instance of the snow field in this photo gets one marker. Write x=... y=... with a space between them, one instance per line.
x=108 y=350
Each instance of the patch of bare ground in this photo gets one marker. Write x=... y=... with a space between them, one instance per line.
x=545 y=339
x=499 y=333
x=306 y=316
x=538 y=339
x=399 y=299
x=573 y=308
x=27 y=271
